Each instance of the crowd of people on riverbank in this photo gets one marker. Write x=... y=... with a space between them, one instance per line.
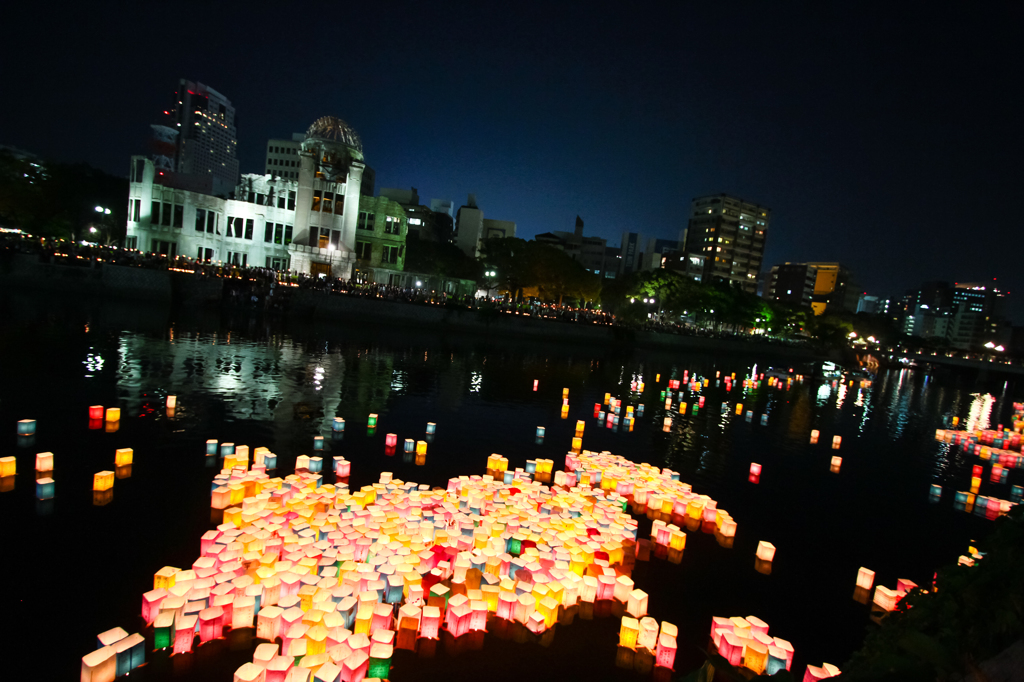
x=261 y=288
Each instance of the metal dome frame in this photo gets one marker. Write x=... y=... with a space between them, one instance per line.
x=334 y=129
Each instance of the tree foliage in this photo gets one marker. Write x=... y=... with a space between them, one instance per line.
x=440 y=258
x=974 y=614
x=520 y=264
x=57 y=200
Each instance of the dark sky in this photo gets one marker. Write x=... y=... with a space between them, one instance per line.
x=886 y=136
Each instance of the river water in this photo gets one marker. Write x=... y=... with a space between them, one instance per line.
x=73 y=568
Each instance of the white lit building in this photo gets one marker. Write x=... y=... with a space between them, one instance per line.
x=307 y=224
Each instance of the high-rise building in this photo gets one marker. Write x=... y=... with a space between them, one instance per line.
x=824 y=287
x=205 y=144
x=791 y=283
x=283 y=157
x=834 y=290
x=731 y=234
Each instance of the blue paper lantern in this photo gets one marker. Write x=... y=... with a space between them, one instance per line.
x=26 y=427
x=338 y=425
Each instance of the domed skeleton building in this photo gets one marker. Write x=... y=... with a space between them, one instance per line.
x=307 y=224
x=327 y=199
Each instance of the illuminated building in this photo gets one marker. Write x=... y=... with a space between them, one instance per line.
x=308 y=224
x=197 y=139
x=824 y=287
x=731 y=234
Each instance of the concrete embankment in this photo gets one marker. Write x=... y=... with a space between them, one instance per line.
x=321 y=306
x=27 y=273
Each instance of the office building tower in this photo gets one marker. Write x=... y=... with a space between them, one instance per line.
x=199 y=129
x=731 y=234
x=283 y=157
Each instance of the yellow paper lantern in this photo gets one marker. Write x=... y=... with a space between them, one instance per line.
x=122 y=456
x=103 y=480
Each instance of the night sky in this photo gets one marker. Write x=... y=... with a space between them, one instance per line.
x=887 y=137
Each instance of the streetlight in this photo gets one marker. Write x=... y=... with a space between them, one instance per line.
x=990 y=345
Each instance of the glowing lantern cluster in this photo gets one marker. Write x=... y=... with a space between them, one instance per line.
x=118 y=654
x=826 y=670
x=745 y=642
x=344 y=577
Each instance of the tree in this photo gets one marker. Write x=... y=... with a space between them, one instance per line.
x=508 y=257
x=440 y=258
x=58 y=200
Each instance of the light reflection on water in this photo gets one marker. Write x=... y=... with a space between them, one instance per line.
x=271 y=387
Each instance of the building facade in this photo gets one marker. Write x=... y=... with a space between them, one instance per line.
x=381 y=231
x=791 y=283
x=731 y=234
x=283 y=157
x=308 y=224
x=471 y=228
x=590 y=252
x=197 y=138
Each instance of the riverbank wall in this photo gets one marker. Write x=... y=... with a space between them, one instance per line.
x=163 y=287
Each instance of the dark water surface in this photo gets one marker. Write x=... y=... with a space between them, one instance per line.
x=71 y=569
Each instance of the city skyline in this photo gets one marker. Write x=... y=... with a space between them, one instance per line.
x=868 y=140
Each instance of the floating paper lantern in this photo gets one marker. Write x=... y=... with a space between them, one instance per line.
x=26 y=427
x=629 y=632
x=96 y=412
x=8 y=466
x=540 y=431
x=44 y=488
x=935 y=493
x=391 y=440
x=372 y=421
x=739 y=409
x=837 y=462
x=535 y=382
x=103 y=480
x=765 y=551
x=316 y=464
x=565 y=411
x=100 y=665
x=865 y=578
x=885 y=598
x=836 y=442
x=113 y=414
x=577 y=444
x=211 y=447
x=814 y=435
x=338 y=425
x=636 y=605
x=227 y=449
x=123 y=456
x=318 y=442
x=421 y=447
x=302 y=462
x=184 y=633
x=755 y=469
